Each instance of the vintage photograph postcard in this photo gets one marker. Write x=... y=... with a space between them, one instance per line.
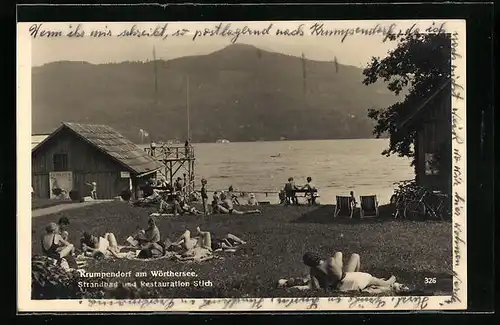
x=241 y=166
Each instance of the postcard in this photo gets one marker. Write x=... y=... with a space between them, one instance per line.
x=242 y=166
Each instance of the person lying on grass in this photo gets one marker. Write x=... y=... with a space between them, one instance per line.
x=226 y=207
x=186 y=208
x=151 y=196
x=202 y=243
x=99 y=246
x=177 y=206
x=54 y=246
x=330 y=273
x=150 y=240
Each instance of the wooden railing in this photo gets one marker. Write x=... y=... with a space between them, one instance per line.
x=166 y=152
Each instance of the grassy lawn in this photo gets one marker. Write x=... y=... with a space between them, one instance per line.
x=45 y=203
x=276 y=241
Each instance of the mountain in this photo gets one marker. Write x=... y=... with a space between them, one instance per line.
x=240 y=93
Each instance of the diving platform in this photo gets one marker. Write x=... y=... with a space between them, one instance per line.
x=179 y=161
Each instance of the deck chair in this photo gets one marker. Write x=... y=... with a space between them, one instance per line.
x=343 y=207
x=368 y=206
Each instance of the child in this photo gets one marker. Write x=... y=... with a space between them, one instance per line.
x=352 y=200
x=252 y=200
x=93 y=191
x=204 y=196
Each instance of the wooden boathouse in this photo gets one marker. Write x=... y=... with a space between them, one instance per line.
x=75 y=156
x=432 y=123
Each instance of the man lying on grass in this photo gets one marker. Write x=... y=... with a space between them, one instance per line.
x=330 y=273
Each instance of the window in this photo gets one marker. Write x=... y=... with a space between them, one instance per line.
x=431 y=164
x=60 y=162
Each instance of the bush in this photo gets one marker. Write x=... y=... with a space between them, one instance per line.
x=50 y=281
x=126 y=195
x=74 y=195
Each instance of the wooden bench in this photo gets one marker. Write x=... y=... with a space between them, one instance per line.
x=299 y=190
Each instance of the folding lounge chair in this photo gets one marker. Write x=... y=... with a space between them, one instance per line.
x=343 y=207
x=368 y=206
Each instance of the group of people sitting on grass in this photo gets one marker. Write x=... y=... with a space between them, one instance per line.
x=143 y=244
x=324 y=273
x=288 y=195
x=173 y=202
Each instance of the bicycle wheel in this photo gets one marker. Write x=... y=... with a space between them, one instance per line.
x=415 y=210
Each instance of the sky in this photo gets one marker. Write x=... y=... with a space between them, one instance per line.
x=356 y=49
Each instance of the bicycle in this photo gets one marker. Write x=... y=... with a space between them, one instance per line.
x=406 y=192
x=423 y=208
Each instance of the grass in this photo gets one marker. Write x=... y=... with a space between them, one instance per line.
x=276 y=240
x=46 y=203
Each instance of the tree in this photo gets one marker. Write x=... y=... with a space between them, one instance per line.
x=417 y=66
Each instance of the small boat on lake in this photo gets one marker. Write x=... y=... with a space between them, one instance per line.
x=222 y=141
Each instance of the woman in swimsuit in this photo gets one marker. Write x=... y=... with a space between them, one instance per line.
x=53 y=245
x=330 y=273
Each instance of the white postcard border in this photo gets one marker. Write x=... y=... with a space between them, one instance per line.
x=457 y=301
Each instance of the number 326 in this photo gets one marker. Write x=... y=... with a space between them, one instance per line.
x=430 y=280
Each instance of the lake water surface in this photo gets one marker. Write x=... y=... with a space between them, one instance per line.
x=336 y=167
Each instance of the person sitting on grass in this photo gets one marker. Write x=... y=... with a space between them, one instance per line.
x=150 y=240
x=63 y=224
x=234 y=197
x=215 y=202
x=226 y=207
x=150 y=196
x=99 y=246
x=186 y=208
x=178 y=206
x=55 y=247
x=331 y=273
x=252 y=201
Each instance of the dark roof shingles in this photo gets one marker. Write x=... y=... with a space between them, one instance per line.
x=117 y=146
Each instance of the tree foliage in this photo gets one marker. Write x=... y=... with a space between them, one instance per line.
x=417 y=66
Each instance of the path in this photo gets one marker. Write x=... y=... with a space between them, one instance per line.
x=62 y=207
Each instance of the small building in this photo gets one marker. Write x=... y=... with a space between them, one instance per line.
x=77 y=157
x=432 y=122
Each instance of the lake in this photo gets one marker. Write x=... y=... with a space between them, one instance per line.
x=336 y=167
